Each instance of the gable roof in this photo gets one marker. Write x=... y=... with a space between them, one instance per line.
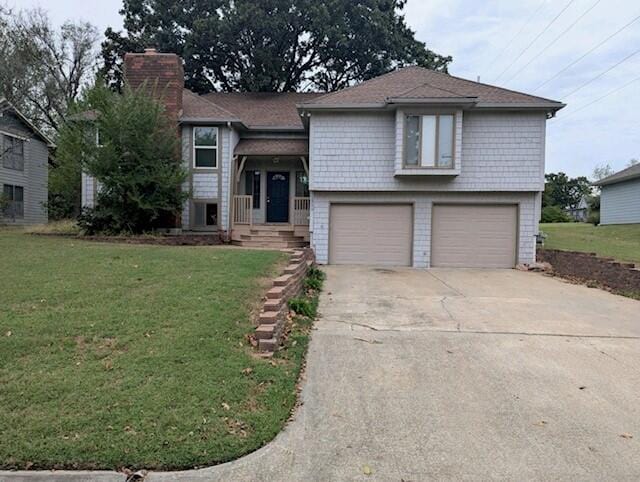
x=417 y=83
x=6 y=105
x=263 y=110
x=272 y=147
x=627 y=174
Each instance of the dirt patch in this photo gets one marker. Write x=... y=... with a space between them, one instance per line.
x=164 y=240
x=587 y=268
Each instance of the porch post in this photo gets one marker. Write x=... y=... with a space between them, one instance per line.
x=304 y=164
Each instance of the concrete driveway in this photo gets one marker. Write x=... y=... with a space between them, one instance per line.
x=460 y=375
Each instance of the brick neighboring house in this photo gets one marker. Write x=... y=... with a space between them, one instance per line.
x=24 y=168
x=414 y=167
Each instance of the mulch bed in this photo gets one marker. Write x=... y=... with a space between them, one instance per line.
x=164 y=240
x=587 y=268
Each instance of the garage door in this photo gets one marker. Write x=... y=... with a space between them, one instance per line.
x=378 y=234
x=472 y=236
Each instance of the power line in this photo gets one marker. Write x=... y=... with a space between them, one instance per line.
x=535 y=39
x=535 y=57
x=611 y=92
x=602 y=73
x=555 y=76
x=524 y=25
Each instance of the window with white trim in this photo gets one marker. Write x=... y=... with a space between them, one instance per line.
x=205 y=214
x=14 y=201
x=12 y=152
x=205 y=147
x=429 y=141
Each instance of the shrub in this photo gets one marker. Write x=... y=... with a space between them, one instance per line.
x=594 y=217
x=554 y=214
x=136 y=165
x=304 y=306
x=314 y=279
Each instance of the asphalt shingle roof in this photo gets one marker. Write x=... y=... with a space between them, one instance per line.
x=629 y=173
x=417 y=82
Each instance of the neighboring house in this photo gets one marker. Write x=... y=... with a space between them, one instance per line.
x=24 y=155
x=620 y=197
x=581 y=212
x=414 y=168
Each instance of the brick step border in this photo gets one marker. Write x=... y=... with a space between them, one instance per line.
x=289 y=284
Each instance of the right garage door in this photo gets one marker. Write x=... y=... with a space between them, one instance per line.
x=474 y=236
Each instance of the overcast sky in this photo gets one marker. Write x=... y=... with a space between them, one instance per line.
x=493 y=39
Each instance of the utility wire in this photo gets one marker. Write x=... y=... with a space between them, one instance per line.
x=611 y=92
x=535 y=39
x=602 y=73
x=556 y=75
x=546 y=47
x=524 y=25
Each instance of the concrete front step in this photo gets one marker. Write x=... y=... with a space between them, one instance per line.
x=270 y=238
x=270 y=244
x=279 y=233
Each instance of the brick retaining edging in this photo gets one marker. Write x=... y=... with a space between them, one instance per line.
x=272 y=318
x=623 y=278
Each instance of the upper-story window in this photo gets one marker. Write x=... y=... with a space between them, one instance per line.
x=429 y=141
x=205 y=147
x=12 y=152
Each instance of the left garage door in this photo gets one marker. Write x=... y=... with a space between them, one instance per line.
x=375 y=234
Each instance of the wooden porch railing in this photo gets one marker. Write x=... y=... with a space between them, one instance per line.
x=243 y=210
x=301 y=211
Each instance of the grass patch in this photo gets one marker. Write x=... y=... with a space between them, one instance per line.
x=64 y=226
x=115 y=355
x=621 y=242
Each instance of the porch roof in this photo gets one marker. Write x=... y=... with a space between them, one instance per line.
x=272 y=147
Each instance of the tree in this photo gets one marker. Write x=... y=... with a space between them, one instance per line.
x=44 y=69
x=271 y=45
x=136 y=165
x=632 y=162
x=564 y=192
x=601 y=171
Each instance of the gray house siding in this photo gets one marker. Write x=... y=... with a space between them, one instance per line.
x=357 y=152
x=620 y=203
x=422 y=208
x=34 y=177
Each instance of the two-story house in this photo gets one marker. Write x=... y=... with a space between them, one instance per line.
x=24 y=156
x=412 y=168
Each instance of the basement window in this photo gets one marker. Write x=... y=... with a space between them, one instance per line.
x=205 y=214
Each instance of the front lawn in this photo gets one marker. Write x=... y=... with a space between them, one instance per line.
x=621 y=242
x=117 y=355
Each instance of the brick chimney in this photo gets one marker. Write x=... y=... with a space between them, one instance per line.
x=163 y=74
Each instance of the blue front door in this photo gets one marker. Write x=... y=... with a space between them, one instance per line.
x=277 y=197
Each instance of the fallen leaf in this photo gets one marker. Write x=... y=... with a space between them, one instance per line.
x=247 y=371
x=626 y=435
x=366 y=470
x=581 y=388
x=226 y=406
x=8 y=333
x=541 y=423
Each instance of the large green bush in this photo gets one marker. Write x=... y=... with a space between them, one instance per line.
x=554 y=214
x=136 y=163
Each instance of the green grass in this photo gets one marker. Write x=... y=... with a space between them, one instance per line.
x=116 y=355
x=621 y=242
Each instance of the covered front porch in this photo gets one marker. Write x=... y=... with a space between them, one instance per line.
x=270 y=193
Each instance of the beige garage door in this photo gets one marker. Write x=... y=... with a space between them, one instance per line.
x=377 y=234
x=473 y=236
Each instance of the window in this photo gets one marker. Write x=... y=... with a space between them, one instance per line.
x=252 y=187
x=429 y=141
x=205 y=147
x=302 y=184
x=12 y=152
x=14 y=196
x=205 y=214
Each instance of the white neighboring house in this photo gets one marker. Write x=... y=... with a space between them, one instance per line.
x=620 y=197
x=412 y=168
x=581 y=211
x=24 y=155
